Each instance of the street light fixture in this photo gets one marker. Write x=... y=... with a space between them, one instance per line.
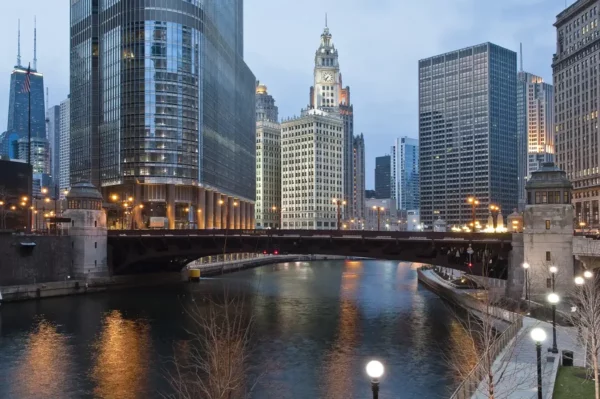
x=553 y=271
x=474 y=202
x=44 y=190
x=588 y=274
x=538 y=335
x=375 y=370
x=526 y=267
x=553 y=299
x=339 y=203
x=114 y=197
x=379 y=209
x=579 y=280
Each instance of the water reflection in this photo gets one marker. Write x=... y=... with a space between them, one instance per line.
x=122 y=356
x=43 y=369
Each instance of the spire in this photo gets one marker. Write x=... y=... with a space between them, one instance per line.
x=521 y=55
x=326 y=20
x=34 y=44
x=19 y=45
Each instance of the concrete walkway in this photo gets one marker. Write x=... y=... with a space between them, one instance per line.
x=515 y=369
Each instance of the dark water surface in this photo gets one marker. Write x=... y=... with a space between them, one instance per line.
x=316 y=325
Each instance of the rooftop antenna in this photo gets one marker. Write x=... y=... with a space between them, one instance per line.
x=521 y=55
x=19 y=45
x=34 y=44
x=326 y=20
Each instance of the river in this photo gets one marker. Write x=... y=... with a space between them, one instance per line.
x=316 y=324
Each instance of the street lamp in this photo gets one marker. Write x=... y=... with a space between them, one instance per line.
x=44 y=190
x=588 y=274
x=538 y=335
x=375 y=371
x=494 y=210
x=553 y=299
x=339 y=203
x=526 y=267
x=474 y=202
x=379 y=209
x=579 y=281
x=114 y=197
x=553 y=271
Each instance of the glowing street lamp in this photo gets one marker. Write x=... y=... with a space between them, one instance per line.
x=526 y=267
x=588 y=274
x=553 y=271
x=553 y=299
x=579 y=280
x=375 y=370
x=339 y=203
x=474 y=202
x=538 y=335
x=379 y=209
x=114 y=197
x=44 y=190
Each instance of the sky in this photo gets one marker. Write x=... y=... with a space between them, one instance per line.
x=379 y=44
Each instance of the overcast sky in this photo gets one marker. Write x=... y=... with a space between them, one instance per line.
x=379 y=42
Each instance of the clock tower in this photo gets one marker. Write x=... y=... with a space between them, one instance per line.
x=326 y=90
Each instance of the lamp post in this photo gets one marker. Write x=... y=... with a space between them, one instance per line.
x=538 y=335
x=278 y=213
x=379 y=209
x=494 y=210
x=375 y=371
x=235 y=205
x=339 y=203
x=474 y=202
x=526 y=267
x=588 y=274
x=553 y=271
x=553 y=299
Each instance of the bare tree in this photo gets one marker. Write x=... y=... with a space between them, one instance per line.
x=587 y=319
x=214 y=362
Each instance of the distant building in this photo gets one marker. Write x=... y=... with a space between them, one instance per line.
x=370 y=194
x=535 y=121
x=413 y=220
x=9 y=144
x=383 y=177
x=268 y=161
x=405 y=173
x=54 y=141
x=388 y=217
x=64 y=171
x=311 y=161
x=358 y=175
x=575 y=76
x=467 y=133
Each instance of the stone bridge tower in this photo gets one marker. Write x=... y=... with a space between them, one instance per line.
x=88 y=231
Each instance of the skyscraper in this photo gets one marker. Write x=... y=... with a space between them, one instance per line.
x=467 y=132
x=383 y=177
x=64 y=173
x=535 y=134
x=311 y=170
x=405 y=173
x=54 y=140
x=163 y=109
x=575 y=73
x=358 y=175
x=329 y=94
x=268 y=161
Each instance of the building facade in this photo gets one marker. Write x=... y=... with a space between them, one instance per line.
x=312 y=148
x=64 y=172
x=535 y=121
x=381 y=214
x=163 y=109
x=53 y=122
x=358 y=177
x=268 y=161
x=467 y=132
x=329 y=94
x=383 y=177
x=405 y=173
x=575 y=74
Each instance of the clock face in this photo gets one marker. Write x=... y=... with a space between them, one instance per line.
x=327 y=77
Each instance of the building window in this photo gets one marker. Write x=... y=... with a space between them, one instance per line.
x=547 y=225
x=566 y=196
x=548 y=256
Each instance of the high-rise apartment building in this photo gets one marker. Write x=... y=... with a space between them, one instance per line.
x=383 y=177
x=467 y=132
x=358 y=176
x=535 y=121
x=575 y=73
x=268 y=161
x=64 y=172
x=312 y=148
x=163 y=109
x=329 y=94
x=405 y=173
x=53 y=121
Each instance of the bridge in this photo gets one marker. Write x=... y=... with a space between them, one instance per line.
x=139 y=251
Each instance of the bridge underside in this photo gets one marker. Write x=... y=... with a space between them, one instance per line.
x=141 y=254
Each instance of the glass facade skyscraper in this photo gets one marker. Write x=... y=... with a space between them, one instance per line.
x=467 y=132
x=162 y=107
x=18 y=104
x=383 y=177
x=405 y=173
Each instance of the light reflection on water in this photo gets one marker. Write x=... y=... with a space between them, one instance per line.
x=316 y=325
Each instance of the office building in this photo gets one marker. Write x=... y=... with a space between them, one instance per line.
x=535 y=120
x=329 y=94
x=370 y=194
x=53 y=122
x=358 y=177
x=467 y=133
x=575 y=74
x=382 y=214
x=268 y=161
x=163 y=109
x=405 y=173
x=383 y=177
x=312 y=147
x=64 y=172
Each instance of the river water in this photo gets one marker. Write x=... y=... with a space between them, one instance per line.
x=316 y=324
